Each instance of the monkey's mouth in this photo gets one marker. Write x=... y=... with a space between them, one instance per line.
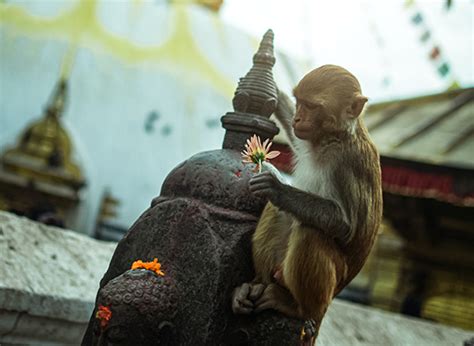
x=301 y=133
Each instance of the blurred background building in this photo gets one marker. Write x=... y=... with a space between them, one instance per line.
x=99 y=100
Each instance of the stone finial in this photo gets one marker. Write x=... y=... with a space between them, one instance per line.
x=255 y=99
x=256 y=92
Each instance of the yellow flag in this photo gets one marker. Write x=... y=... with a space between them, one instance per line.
x=454 y=85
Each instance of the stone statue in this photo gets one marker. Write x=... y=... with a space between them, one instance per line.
x=199 y=229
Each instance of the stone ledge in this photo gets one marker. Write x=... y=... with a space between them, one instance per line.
x=352 y=324
x=49 y=278
x=25 y=329
x=47 y=271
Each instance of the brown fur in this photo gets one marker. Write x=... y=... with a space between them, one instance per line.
x=315 y=263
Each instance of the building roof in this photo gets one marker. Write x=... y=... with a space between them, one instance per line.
x=435 y=129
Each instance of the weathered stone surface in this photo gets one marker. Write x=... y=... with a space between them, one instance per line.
x=48 y=277
x=199 y=229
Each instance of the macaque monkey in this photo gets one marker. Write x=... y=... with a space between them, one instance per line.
x=314 y=237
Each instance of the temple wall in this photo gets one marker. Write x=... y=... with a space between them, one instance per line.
x=148 y=83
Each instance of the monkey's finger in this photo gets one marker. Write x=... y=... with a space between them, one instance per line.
x=260 y=182
x=310 y=328
x=241 y=295
x=245 y=303
x=265 y=305
x=239 y=309
x=265 y=297
x=256 y=291
x=244 y=289
x=260 y=178
x=240 y=302
x=262 y=186
x=262 y=193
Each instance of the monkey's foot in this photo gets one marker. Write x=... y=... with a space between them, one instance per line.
x=278 y=298
x=308 y=333
x=244 y=296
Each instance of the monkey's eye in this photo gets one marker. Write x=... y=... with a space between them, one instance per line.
x=307 y=105
x=312 y=106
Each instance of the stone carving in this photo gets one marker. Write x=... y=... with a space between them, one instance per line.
x=254 y=100
x=143 y=304
x=200 y=229
x=256 y=92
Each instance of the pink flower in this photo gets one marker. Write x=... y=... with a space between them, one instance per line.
x=256 y=152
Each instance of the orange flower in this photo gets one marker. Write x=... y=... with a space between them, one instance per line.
x=154 y=266
x=256 y=152
x=104 y=315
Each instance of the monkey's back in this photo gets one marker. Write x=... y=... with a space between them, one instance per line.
x=366 y=161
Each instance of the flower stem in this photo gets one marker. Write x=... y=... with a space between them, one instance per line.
x=259 y=166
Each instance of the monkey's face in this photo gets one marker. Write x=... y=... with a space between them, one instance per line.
x=328 y=99
x=308 y=118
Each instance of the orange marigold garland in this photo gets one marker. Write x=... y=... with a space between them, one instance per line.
x=154 y=266
x=104 y=315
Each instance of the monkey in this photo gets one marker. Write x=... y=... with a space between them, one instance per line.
x=314 y=237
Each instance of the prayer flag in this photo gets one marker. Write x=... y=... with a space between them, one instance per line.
x=434 y=53
x=443 y=69
x=417 y=18
x=425 y=36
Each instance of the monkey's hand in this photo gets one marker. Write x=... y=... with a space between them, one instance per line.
x=266 y=185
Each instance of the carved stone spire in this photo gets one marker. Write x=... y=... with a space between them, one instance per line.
x=255 y=99
x=256 y=92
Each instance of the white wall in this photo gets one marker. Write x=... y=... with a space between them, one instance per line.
x=119 y=76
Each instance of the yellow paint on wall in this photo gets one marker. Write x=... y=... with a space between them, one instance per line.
x=80 y=26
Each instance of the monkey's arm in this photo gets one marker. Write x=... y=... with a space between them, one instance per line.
x=285 y=112
x=311 y=210
x=315 y=212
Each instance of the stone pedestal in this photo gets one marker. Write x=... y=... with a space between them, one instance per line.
x=48 y=277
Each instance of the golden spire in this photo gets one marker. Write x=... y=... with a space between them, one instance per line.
x=58 y=99
x=43 y=151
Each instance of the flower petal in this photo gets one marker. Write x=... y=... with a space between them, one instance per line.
x=267 y=148
x=272 y=154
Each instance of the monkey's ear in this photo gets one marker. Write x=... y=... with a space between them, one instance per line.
x=357 y=105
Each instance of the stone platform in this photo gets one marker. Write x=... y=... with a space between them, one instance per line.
x=49 y=278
